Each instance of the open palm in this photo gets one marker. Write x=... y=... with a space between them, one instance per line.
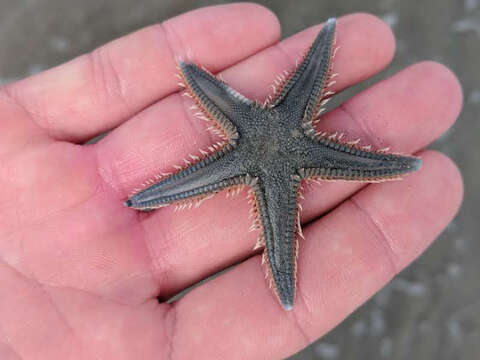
x=80 y=273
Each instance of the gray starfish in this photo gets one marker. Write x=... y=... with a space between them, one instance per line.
x=271 y=147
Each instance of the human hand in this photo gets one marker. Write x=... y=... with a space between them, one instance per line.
x=81 y=273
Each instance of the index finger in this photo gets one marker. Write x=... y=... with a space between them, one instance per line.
x=97 y=91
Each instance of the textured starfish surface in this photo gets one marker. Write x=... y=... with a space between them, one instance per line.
x=271 y=147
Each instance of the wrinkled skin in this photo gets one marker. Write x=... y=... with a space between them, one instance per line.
x=80 y=273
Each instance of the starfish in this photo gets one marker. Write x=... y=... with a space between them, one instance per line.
x=270 y=147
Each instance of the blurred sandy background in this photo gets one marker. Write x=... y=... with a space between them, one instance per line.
x=432 y=309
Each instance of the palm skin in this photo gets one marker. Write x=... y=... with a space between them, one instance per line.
x=81 y=273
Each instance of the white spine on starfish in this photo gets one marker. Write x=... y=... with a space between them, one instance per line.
x=238 y=96
x=354 y=142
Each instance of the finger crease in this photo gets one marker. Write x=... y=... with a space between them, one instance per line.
x=6 y=91
x=370 y=138
x=159 y=266
x=285 y=55
x=380 y=235
x=107 y=78
x=297 y=323
x=172 y=322
x=171 y=39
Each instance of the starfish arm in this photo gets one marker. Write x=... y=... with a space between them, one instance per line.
x=278 y=214
x=330 y=160
x=215 y=98
x=196 y=182
x=305 y=89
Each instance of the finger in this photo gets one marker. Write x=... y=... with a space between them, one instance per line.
x=192 y=244
x=97 y=91
x=340 y=267
x=404 y=113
